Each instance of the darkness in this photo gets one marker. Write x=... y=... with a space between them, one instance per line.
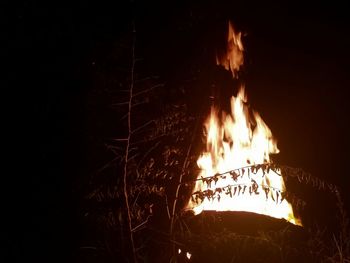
x=296 y=75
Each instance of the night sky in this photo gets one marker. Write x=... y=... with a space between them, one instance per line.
x=296 y=75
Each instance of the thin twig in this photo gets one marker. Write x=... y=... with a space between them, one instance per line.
x=167 y=206
x=140 y=225
x=146 y=154
x=120 y=140
x=184 y=166
x=263 y=186
x=148 y=90
x=107 y=164
x=127 y=149
x=221 y=174
x=142 y=126
x=139 y=103
x=146 y=78
x=120 y=103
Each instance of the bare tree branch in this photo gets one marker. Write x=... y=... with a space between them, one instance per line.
x=146 y=154
x=148 y=90
x=120 y=140
x=120 y=103
x=167 y=206
x=146 y=78
x=139 y=103
x=127 y=149
x=184 y=166
x=136 y=228
x=142 y=126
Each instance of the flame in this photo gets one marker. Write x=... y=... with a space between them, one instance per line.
x=233 y=58
x=236 y=144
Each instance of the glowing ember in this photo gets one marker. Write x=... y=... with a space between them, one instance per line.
x=238 y=144
x=188 y=254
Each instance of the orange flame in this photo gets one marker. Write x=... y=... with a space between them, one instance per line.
x=233 y=59
x=236 y=143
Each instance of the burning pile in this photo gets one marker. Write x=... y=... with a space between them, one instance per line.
x=236 y=172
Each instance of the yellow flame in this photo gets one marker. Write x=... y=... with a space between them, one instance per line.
x=233 y=58
x=236 y=142
x=230 y=146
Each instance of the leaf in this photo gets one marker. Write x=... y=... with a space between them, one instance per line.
x=268 y=168
x=244 y=187
x=234 y=175
x=308 y=178
x=257 y=167
x=252 y=169
x=201 y=196
x=299 y=178
x=216 y=179
x=272 y=196
x=321 y=185
x=283 y=195
x=239 y=189
x=235 y=190
x=263 y=169
x=267 y=190
x=228 y=191
x=254 y=187
x=273 y=167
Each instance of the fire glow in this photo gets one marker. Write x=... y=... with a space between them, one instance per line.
x=234 y=169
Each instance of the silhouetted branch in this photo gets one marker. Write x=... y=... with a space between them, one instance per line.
x=281 y=170
x=127 y=149
x=148 y=90
x=142 y=126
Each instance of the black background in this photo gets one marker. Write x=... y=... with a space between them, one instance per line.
x=297 y=60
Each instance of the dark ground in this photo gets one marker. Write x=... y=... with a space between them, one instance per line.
x=296 y=75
